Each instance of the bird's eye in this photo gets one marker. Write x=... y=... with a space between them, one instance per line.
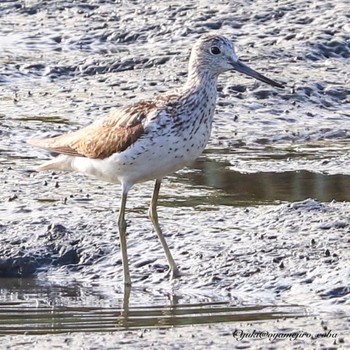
x=215 y=50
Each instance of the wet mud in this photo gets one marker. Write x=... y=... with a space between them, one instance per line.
x=259 y=224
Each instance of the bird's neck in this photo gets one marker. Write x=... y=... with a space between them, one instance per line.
x=200 y=78
x=202 y=84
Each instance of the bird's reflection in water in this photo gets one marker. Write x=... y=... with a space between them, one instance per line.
x=30 y=308
x=175 y=313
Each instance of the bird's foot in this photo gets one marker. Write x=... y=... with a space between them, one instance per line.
x=173 y=273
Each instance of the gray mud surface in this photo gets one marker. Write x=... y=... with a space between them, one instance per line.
x=261 y=219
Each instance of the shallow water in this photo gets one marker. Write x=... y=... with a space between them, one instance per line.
x=36 y=309
x=237 y=188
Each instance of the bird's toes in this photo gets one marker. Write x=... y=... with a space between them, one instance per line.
x=173 y=273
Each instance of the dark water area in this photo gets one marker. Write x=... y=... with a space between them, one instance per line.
x=238 y=188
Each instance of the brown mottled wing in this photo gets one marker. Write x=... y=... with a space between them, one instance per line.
x=101 y=139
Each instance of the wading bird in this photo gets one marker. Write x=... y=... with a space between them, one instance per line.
x=149 y=139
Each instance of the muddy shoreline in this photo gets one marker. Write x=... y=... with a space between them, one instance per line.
x=262 y=218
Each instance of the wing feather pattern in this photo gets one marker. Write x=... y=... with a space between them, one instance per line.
x=101 y=139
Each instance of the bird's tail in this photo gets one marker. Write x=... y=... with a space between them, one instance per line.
x=61 y=162
x=58 y=163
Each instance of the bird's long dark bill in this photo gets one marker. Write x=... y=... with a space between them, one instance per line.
x=242 y=68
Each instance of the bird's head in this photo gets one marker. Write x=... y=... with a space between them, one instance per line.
x=216 y=54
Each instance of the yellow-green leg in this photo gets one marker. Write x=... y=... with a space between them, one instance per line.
x=122 y=238
x=153 y=215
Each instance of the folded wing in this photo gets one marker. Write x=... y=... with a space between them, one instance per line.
x=101 y=139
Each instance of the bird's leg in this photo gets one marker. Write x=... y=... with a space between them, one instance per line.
x=153 y=215
x=122 y=238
